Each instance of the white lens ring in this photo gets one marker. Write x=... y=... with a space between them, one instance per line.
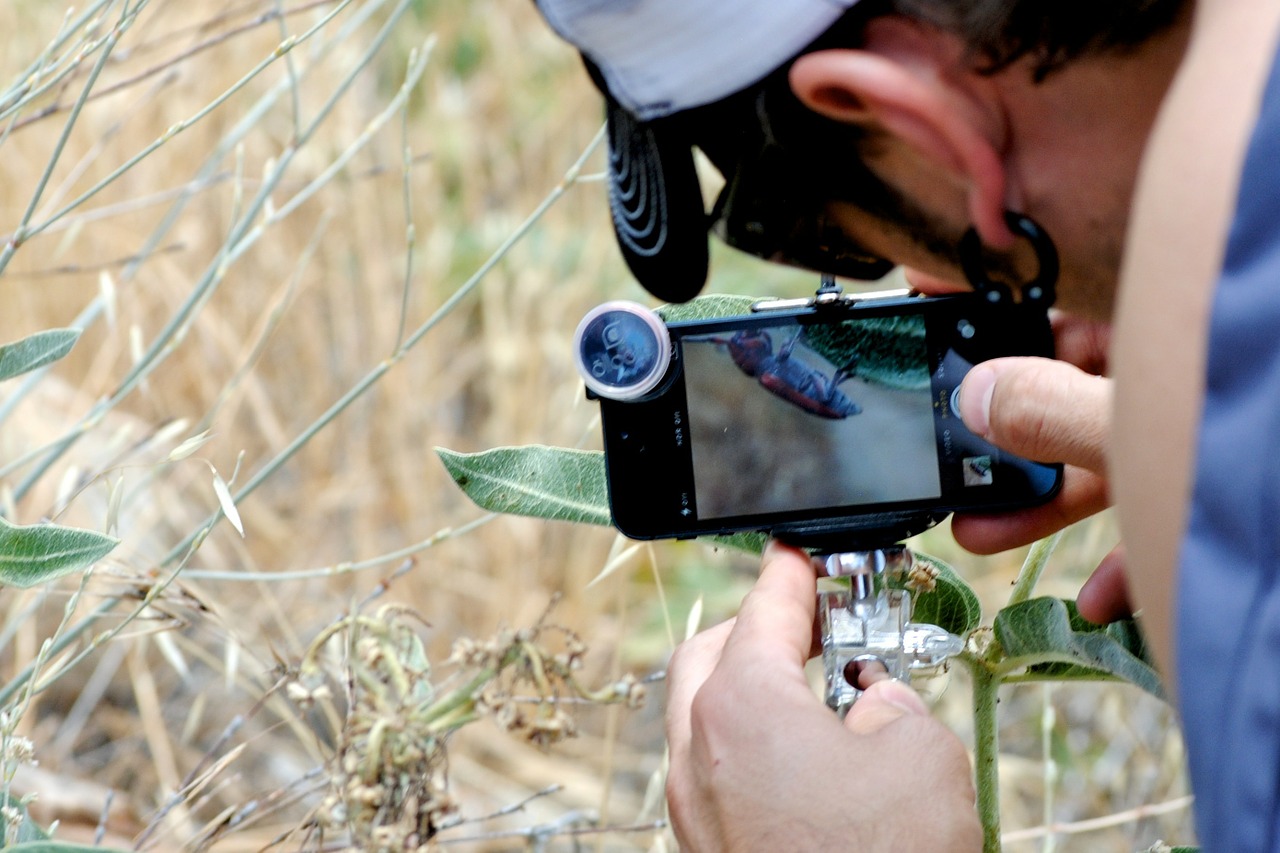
x=622 y=350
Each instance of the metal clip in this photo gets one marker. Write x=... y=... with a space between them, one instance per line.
x=867 y=632
x=829 y=293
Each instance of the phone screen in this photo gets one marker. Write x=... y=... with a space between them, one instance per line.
x=790 y=417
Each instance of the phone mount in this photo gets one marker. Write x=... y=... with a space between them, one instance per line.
x=867 y=632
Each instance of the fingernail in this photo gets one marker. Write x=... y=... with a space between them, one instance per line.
x=900 y=696
x=975 y=399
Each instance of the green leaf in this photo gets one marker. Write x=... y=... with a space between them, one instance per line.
x=952 y=604
x=549 y=482
x=711 y=306
x=543 y=482
x=36 y=351
x=1050 y=638
x=751 y=542
x=42 y=552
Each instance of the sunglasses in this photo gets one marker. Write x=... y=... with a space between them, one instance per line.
x=783 y=165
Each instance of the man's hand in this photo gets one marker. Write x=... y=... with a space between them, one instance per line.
x=1045 y=410
x=1051 y=410
x=759 y=763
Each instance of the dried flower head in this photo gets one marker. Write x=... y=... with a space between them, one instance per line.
x=389 y=783
x=923 y=577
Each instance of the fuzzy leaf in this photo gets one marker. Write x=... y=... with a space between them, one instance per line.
x=549 y=482
x=42 y=552
x=36 y=351
x=1049 y=638
x=751 y=542
x=708 y=307
x=543 y=482
x=952 y=604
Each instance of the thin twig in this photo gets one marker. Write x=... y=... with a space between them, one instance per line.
x=344 y=568
x=176 y=128
x=95 y=267
x=29 y=86
x=175 y=329
x=535 y=832
x=185 y=56
x=24 y=224
x=1094 y=824
x=370 y=379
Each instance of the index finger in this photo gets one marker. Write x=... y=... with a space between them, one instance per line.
x=775 y=623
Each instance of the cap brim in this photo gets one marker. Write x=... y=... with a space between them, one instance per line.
x=657 y=208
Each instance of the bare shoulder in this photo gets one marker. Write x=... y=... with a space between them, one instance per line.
x=1182 y=209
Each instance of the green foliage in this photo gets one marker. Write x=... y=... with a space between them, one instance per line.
x=38 y=553
x=1049 y=637
x=543 y=482
x=35 y=351
x=711 y=307
x=43 y=552
x=891 y=350
x=951 y=605
x=1044 y=636
x=554 y=483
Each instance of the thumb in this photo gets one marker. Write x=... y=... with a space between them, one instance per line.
x=881 y=704
x=1043 y=409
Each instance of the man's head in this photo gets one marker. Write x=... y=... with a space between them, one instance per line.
x=856 y=133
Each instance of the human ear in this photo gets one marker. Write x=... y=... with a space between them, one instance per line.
x=906 y=82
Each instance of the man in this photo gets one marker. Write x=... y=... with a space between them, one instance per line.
x=850 y=132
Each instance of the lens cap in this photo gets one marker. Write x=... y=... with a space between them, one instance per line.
x=622 y=349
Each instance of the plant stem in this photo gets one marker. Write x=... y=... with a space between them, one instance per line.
x=24 y=229
x=1032 y=568
x=986 y=752
x=443 y=716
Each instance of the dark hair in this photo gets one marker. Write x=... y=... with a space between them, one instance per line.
x=1052 y=32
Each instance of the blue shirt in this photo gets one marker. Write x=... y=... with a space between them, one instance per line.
x=1228 y=602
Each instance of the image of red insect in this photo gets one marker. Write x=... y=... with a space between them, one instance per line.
x=787 y=376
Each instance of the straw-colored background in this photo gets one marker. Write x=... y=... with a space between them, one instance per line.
x=311 y=309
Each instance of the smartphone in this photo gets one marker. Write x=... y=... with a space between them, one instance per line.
x=825 y=417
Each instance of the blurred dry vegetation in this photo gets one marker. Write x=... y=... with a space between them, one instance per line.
x=193 y=727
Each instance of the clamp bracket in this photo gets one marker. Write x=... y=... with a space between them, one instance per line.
x=867 y=632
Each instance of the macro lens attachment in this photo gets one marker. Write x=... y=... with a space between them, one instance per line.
x=622 y=350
